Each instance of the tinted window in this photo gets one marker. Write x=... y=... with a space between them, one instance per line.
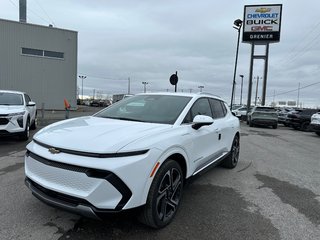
x=147 y=108
x=217 y=109
x=31 y=51
x=200 y=107
x=53 y=54
x=10 y=99
x=27 y=98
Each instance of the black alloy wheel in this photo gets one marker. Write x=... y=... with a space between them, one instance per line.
x=26 y=133
x=232 y=159
x=164 y=196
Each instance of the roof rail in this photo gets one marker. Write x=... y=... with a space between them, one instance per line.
x=206 y=93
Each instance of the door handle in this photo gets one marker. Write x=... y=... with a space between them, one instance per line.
x=217 y=130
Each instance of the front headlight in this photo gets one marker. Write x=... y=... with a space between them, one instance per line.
x=17 y=114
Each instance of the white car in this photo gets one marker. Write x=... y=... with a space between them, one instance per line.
x=315 y=123
x=242 y=111
x=138 y=151
x=18 y=114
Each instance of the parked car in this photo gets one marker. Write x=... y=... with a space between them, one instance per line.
x=18 y=114
x=300 y=119
x=283 y=114
x=315 y=123
x=265 y=116
x=137 y=152
x=240 y=112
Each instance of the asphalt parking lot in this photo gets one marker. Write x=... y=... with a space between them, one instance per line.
x=273 y=193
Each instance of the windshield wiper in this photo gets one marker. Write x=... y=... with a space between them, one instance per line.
x=126 y=119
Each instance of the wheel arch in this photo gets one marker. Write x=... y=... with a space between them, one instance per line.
x=177 y=154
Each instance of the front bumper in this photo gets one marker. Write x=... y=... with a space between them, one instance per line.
x=12 y=125
x=315 y=127
x=86 y=185
x=266 y=122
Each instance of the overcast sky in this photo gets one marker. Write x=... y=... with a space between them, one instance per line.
x=150 y=40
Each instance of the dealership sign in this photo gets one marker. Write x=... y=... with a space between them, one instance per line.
x=262 y=23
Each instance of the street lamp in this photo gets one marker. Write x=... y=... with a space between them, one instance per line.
x=82 y=77
x=201 y=87
x=241 y=89
x=236 y=25
x=145 y=86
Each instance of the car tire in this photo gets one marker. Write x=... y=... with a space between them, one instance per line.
x=275 y=126
x=164 y=196
x=232 y=159
x=318 y=133
x=251 y=124
x=304 y=126
x=26 y=133
x=35 y=123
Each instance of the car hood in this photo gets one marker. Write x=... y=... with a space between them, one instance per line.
x=97 y=135
x=4 y=109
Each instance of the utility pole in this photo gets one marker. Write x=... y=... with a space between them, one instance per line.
x=190 y=90
x=298 y=95
x=255 y=101
x=241 y=89
x=82 y=77
x=128 y=85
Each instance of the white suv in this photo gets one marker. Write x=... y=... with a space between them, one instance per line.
x=315 y=123
x=17 y=114
x=137 y=152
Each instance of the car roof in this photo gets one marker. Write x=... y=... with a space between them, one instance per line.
x=182 y=94
x=11 y=91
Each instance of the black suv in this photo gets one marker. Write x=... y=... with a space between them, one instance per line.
x=300 y=119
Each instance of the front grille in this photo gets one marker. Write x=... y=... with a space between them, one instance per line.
x=74 y=201
x=4 y=121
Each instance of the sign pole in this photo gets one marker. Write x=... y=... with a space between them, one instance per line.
x=264 y=88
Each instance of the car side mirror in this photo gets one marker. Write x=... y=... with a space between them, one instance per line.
x=201 y=120
x=31 y=104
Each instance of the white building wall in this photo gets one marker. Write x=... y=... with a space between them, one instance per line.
x=46 y=80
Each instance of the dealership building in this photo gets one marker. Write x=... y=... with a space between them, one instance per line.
x=39 y=60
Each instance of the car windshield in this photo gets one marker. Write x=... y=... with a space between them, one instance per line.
x=265 y=109
x=147 y=108
x=10 y=98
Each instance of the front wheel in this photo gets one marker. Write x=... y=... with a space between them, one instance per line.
x=26 y=133
x=232 y=160
x=318 y=133
x=164 y=196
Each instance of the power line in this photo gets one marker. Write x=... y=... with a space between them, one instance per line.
x=294 y=90
x=45 y=12
x=36 y=14
x=105 y=78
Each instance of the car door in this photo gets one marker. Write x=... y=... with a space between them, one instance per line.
x=204 y=141
x=223 y=125
x=31 y=109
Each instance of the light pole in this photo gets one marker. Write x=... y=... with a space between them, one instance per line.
x=201 y=87
x=82 y=77
x=241 y=89
x=128 y=85
x=236 y=25
x=145 y=86
x=255 y=101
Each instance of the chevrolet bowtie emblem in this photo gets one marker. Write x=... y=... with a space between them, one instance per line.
x=54 y=151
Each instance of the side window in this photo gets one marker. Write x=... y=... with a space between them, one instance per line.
x=27 y=98
x=200 y=107
x=217 y=108
x=223 y=105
